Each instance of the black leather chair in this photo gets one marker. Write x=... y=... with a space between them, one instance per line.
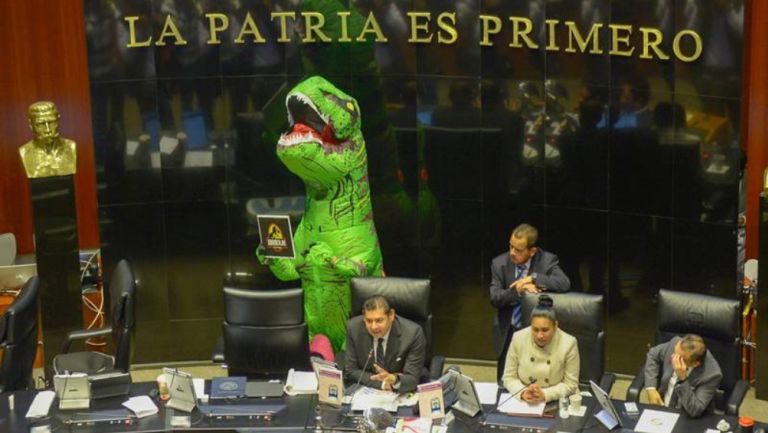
x=718 y=322
x=122 y=301
x=410 y=299
x=18 y=331
x=264 y=332
x=581 y=315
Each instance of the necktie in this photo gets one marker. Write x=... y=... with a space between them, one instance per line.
x=670 y=389
x=380 y=353
x=517 y=311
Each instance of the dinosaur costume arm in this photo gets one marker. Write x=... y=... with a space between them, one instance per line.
x=321 y=254
x=284 y=269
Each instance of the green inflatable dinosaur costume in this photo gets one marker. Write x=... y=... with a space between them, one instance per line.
x=336 y=239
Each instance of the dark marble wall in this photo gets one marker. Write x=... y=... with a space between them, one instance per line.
x=630 y=167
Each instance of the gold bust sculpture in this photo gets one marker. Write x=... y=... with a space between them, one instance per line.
x=48 y=154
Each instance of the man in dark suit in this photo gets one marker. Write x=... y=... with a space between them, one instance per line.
x=526 y=268
x=682 y=374
x=384 y=351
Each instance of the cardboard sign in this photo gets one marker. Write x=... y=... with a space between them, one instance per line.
x=276 y=236
x=431 y=400
x=330 y=387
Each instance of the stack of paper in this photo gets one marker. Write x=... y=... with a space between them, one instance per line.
x=515 y=406
x=656 y=421
x=300 y=382
x=367 y=398
x=414 y=425
x=199 y=384
x=142 y=406
x=486 y=392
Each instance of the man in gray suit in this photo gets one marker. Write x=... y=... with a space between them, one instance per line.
x=682 y=374
x=384 y=351
x=526 y=268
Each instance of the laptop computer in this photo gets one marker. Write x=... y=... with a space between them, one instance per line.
x=241 y=410
x=181 y=389
x=467 y=400
x=608 y=416
x=73 y=390
x=113 y=416
x=263 y=389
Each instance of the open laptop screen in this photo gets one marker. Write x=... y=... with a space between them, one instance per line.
x=605 y=402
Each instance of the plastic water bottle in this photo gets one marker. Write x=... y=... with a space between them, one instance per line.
x=564 y=408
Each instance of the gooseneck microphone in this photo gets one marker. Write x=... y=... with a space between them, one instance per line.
x=515 y=393
x=367 y=360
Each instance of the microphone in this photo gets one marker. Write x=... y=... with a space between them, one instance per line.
x=370 y=355
x=515 y=393
x=64 y=391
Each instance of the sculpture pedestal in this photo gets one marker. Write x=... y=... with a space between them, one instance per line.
x=58 y=263
x=761 y=355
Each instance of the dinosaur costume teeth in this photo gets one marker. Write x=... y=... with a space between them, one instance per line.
x=336 y=239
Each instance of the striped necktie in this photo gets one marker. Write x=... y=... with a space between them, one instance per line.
x=380 y=353
x=517 y=311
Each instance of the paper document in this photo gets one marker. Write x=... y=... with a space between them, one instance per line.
x=199 y=385
x=515 y=406
x=414 y=425
x=142 y=406
x=366 y=398
x=300 y=382
x=486 y=392
x=656 y=421
x=407 y=399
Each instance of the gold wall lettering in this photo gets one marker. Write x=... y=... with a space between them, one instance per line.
x=624 y=39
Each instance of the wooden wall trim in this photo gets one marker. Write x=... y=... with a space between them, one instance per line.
x=45 y=42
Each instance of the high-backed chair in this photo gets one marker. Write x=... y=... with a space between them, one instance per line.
x=410 y=299
x=264 y=332
x=581 y=315
x=718 y=322
x=18 y=331
x=122 y=299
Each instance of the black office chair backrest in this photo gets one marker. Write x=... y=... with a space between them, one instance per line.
x=716 y=320
x=264 y=331
x=447 y=148
x=408 y=296
x=19 y=336
x=280 y=307
x=122 y=296
x=581 y=315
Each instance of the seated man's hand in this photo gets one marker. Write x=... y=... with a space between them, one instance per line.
x=533 y=394
x=678 y=364
x=388 y=379
x=654 y=397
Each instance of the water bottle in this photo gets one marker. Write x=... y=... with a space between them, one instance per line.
x=564 y=408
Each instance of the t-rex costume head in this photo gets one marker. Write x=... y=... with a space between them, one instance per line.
x=325 y=127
